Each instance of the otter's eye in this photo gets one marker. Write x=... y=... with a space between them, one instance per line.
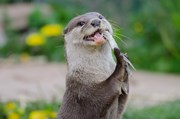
x=81 y=23
x=101 y=17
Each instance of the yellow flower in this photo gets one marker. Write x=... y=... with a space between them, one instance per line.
x=10 y=106
x=37 y=115
x=52 y=115
x=35 y=39
x=51 y=30
x=13 y=116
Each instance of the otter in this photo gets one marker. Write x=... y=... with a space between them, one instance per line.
x=97 y=87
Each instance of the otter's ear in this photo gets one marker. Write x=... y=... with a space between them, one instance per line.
x=65 y=31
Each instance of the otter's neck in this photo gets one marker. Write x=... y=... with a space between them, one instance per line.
x=90 y=64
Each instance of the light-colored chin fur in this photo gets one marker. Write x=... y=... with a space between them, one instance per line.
x=88 y=64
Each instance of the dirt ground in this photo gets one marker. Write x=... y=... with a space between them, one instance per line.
x=39 y=80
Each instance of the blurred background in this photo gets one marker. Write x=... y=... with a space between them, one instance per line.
x=32 y=62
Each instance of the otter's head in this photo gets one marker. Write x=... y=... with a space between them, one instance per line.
x=87 y=30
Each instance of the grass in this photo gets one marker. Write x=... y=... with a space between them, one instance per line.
x=168 y=110
x=44 y=110
x=30 y=110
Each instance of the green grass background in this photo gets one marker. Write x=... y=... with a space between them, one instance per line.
x=166 y=110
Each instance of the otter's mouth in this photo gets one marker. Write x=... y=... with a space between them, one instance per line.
x=97 y=36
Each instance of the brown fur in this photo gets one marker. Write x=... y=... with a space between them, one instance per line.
x=105 y=99
x=96 y=99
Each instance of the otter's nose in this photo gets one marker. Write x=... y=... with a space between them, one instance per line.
x=95 y=23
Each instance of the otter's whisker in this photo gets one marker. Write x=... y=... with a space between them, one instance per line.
x=120 y=34
x=120 y=40
x=113 y=22
x=125 y=36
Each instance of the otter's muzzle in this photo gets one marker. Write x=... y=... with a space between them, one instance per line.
x=96 y=23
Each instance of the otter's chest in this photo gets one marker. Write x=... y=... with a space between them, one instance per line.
x=91 y=72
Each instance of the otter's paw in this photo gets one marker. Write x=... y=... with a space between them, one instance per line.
x=119 y=57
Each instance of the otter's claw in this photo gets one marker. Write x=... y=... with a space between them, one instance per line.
x=122 y=57
x=127 y=61
x=117 y=54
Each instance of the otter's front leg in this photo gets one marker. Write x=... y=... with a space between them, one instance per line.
x=119 y=71
x=122 y=99
x=124 y=82
x=112 y=85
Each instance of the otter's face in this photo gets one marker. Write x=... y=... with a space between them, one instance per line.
x=87 y=29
